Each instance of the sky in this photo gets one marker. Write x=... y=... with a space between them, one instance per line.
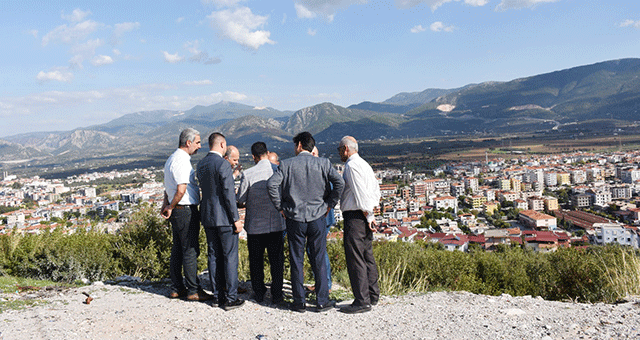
x=69 y=64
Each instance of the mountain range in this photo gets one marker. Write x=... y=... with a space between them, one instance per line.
x=599 y=95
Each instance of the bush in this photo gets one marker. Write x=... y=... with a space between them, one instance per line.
x=143 y=247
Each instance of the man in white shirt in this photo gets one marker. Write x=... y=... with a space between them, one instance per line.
x=181 y=198
x=360 y=196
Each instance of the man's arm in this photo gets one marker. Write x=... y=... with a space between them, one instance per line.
x=364 y=198
x=168 y=207
x=273 y=185
x=338 y=185
x=243 y=191
x=228 y=192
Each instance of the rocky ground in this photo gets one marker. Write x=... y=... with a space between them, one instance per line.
x=133 y=310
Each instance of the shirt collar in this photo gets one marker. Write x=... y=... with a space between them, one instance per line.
x=354 y=156
x=217 y=153
x=304 y=152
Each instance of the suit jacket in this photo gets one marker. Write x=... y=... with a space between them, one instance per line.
x=261 y=217
x=305 y=182
x=218 y=205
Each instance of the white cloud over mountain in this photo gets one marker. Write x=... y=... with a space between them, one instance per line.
x=241 y=26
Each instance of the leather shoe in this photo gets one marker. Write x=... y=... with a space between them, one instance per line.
x=201 y=295
x=180 y=294
x=258 y=297
x=300 y=308
x=352 y=309
x=233 y=304
x=374 y=301
x=325 y=307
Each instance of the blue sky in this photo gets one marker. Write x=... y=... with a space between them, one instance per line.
x=69 y=64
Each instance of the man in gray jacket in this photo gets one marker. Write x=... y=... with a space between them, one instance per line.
x=302 y=191
x=263 y=223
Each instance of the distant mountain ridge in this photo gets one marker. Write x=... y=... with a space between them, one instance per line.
x=606 y=91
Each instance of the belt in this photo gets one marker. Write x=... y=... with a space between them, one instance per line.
x=184 y=206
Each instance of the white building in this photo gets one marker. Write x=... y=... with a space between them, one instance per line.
x=606 y=233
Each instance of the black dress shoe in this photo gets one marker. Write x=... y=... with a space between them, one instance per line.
x=374 y=301
x=325 y=307
x=352 y=309
x=233 y=304
x=300 y=308
x=258 y=297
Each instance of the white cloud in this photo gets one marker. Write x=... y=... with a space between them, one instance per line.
x=241 y=26
x=172 y=58
x=76 y=16
x=179 y=20
x=221 y=3
x=199 y=56
x=125 y=27
x=101 y=60
x=58 y=74
x=71 y=34
x=89 y=47
x=193 y=46
x=630 y=23
x=284 y=18
x=438 y=26
x=434 y=4
x=312 y=32
x=198 y=82
x=34 y=33
x=116 y=51
x=309 y=9
x=519 y=4
x=418 y=29
x=303 y=12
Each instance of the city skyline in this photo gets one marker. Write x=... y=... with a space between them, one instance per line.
x=72 y=64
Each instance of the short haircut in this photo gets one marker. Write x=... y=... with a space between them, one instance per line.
x=306 y=140
x=259 y=149
x=187 y=134
x=349 y=142
x=230 y=149
x=215 y=137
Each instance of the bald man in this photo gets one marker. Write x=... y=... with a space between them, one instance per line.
x=233 y=157
x=273 y=158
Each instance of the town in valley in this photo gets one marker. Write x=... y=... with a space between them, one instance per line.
x=542 y=202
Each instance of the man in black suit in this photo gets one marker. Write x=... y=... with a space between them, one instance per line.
x=219 y=216
x=302 y=191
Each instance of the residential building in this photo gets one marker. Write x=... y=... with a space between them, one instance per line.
x=537 y=220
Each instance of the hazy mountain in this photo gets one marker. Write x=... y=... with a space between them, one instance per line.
x=319 y=117
x=596 y=96
x=604 y=90
x=382 y=107
x=419 y=98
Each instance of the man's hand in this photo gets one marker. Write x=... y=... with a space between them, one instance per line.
x=166 y=212
x=372 y=225
x=237 y=226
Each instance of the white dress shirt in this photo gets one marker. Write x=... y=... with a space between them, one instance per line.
x=361 y=189
x=178 y=170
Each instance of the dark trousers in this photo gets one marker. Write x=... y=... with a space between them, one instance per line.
x=358 y=250
x=313 y=233
x=185 y=226
x=274 y=244
x=222 y=255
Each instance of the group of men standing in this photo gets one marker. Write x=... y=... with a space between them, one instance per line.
x=293 y=198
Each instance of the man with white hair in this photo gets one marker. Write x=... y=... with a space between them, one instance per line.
x=181 y=198
x=360 y=196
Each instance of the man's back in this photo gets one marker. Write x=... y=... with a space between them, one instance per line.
x=261 y=216
x=217 y=207
x=306 y=189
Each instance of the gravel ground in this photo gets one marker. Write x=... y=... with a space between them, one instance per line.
x=142 y=311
